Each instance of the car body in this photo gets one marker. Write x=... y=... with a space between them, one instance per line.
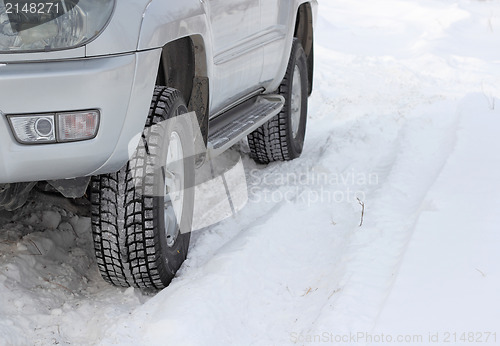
x=116 y=73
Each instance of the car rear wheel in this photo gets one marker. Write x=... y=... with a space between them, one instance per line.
x=142 y=215
x=282 y=138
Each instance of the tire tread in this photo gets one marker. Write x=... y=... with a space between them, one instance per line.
x=122 y=211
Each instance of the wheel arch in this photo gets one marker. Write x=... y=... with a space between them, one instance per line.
x=181 y=30
x=183 y=66
x=304 y=31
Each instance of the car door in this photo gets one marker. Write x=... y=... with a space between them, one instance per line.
x=275 y=20
x=238 y=57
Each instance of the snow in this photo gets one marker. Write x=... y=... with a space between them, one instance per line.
x=457 y=232
x=402 y=139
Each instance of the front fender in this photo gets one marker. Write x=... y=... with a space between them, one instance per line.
x=167 y=21
x=122 y=33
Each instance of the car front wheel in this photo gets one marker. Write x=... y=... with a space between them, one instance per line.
x=142 y=215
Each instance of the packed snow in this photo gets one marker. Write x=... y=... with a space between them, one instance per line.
x=385 y=231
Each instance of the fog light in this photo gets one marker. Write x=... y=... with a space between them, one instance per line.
x=53 y=128
x=77 y=126
x=34 y=128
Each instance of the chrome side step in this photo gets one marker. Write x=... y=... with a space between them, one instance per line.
x=229 y=128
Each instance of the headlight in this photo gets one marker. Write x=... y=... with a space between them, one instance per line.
x=31 y=26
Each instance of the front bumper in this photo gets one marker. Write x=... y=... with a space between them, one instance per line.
x=119 y=86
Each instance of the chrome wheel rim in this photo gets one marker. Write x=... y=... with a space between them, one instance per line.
x=296 y=104
x=174 y=188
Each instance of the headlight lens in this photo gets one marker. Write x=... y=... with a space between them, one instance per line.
x=31 y=26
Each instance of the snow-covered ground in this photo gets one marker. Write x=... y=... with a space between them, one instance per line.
x=402 y=140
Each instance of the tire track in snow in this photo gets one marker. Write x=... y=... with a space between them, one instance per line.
x=424 y=144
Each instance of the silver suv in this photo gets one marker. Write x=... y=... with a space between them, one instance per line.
x=126 y=99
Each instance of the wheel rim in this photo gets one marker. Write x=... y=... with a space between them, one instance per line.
x=296 y=104
x=174 y=188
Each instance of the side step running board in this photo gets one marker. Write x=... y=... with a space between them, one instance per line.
x=229 y=128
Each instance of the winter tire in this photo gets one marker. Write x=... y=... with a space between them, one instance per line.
x=282 y=138
x=142 y=215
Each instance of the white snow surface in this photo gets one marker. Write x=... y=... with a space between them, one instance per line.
x=405 y=116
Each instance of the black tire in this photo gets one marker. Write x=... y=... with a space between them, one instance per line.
x=278 y=139
x=129 y=207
